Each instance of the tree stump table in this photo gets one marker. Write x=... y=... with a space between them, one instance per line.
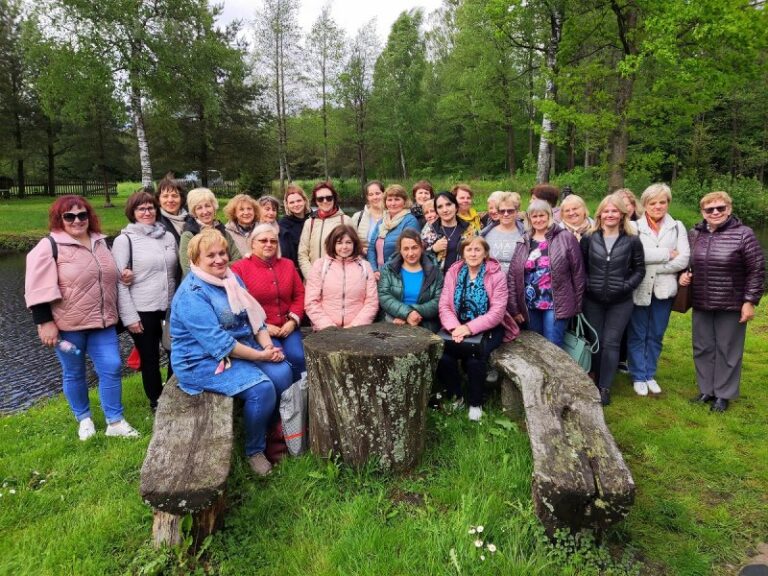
x=369 y=388
x=580 y=479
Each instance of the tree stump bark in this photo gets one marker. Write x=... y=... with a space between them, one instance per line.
x=580 y=479
x=369 y=388
x=187 y=464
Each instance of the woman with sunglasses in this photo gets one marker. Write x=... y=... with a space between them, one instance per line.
x=149 y=250
x=275 y=283
x=71 y=288
x=504 y=234
x=319 y=225
x=727 y=278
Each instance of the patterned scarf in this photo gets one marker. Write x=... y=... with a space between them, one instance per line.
x=652 y=224
x=470 y=299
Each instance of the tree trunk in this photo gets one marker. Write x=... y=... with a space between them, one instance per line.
x=51 y=156
x=545 y=160
x=401 y=153
x=368 y=392
x=19 y=140
x=511 y=149
x=580 y=479
x=571 y=162
x=544 y=163
x=141 y=135
x=325 y=126
x=103 y=162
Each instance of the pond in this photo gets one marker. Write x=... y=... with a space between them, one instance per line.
x=29 y=371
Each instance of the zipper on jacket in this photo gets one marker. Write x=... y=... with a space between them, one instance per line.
x=343 y=291
x=101 y=284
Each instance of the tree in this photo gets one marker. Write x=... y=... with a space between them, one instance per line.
x=325 y=51
x=354 y=86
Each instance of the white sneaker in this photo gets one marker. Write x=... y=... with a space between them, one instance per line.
x=641 y=388
x=493 y=376
x=653 y=387
x=122 y=429
x=87 y=429
x=475 y=413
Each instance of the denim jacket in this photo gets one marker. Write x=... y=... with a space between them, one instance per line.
x=204 y=331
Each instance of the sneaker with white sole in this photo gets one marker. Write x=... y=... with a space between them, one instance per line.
x=122 y=429
x=641 y=388
x=87 y=429
x=653 y=387
x=493 y=376
x=475 y=413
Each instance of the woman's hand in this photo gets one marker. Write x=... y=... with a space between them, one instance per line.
x=414 y=318
x=747 y=312
x=273 y=330
x=673 y=254
x=272 y=354
x=126 y=276
x=440 y=245
x=136 y=328
x=288 y=327
x=685 y=279
x=398 y=322
x=519 y=318
x=48 y=333
x=460 y=332
x=377 y=275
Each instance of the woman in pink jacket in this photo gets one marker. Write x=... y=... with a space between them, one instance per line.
x=341 y=288
x=71 y=288
x=472 y=307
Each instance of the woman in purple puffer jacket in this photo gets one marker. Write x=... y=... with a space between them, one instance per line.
x=727 y=280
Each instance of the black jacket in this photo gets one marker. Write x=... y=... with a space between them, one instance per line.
x=612 y=277
x=290 y=234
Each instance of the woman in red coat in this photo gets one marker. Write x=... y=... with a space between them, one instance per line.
x=276 y=284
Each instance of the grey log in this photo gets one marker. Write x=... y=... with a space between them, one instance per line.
x=369 y=388
x=580 y=479
x=188 y=462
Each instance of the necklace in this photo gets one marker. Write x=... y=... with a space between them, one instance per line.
x=449 y=236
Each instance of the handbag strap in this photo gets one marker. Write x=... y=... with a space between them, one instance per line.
x=581 y=322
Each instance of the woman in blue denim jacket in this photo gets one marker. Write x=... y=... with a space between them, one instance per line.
x=213 y=322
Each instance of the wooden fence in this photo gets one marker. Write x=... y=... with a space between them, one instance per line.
x=79 y=187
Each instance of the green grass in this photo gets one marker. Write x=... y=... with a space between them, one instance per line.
x=702 y=494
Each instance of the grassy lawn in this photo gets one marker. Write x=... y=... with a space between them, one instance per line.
x=702 y=495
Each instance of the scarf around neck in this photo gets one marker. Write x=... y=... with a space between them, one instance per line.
x=322 y=214
x=177 y=220
x=238 y=297
x=653 y=225
x=391 y=222
x=155 y=230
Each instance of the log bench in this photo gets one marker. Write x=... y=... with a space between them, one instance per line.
x=580 y=479
x=187 y=463
x=369 y=388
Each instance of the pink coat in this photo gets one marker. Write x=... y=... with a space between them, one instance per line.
x=80 y=285
x=341 y=293
x=495 y=283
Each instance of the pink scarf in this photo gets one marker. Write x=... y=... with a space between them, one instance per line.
x=238 y=297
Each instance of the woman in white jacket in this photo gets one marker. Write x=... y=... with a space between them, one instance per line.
x=149 y=250
x=665 y=244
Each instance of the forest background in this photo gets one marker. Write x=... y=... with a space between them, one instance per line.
x=609 y=93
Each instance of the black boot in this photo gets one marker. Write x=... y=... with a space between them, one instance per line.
x=719 y=405
x=605 y=396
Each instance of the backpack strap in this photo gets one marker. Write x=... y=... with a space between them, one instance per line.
x=130 y=251
x=54 y=248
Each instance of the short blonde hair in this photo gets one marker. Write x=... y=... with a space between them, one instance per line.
x=617 y=200
x=231 y=208
x=494 y=197
x=462 y=186
x=654 y=191
x=717 y=195
x=203 y=241
x=397 y=191
x=198 y=196
x=627 y=193
x=509 y=198
x=575 y=199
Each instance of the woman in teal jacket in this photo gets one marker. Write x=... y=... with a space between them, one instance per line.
x=410 y=284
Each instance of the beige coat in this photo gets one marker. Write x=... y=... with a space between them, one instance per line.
x=312 y=241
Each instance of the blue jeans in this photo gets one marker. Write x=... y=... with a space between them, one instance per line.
x=294 y=352
x=259 y=404
x=645 y=335
x=544 y=322
x=101 y=346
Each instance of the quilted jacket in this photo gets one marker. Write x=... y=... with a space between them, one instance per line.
x=276 y=284
x=612 y=276
x=728 y=266
x=391 y=291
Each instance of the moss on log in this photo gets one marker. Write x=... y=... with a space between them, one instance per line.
x=368 y=392
x=580 y=479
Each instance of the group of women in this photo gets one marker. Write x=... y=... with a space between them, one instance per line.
x=422 y=260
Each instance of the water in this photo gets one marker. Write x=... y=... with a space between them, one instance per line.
x=29 y=371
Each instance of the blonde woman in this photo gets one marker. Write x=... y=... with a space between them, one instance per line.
x=297 y=210
x=615 y=266
x=397 y=217
x=575 y=216
x=242 y=213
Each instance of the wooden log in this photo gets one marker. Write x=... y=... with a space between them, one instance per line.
x=580 y=479
x=369 y=388
x=188 y=461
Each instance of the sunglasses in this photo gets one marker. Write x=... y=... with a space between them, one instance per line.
x=70 y=217
x=713 y=209
x=507 y=211
x=323 y=198
x=266 y=241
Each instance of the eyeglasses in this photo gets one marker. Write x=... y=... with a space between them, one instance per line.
x=148 y=209
x=713 y=209
x=266 y=241
x=70 y=217
x=507 y=211
x=323 y=198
